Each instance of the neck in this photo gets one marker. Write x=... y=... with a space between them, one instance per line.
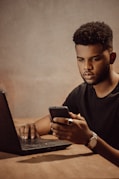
x=104 y=88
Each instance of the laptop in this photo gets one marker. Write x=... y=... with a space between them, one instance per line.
x=10 y=142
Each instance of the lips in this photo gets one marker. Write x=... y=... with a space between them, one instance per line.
x=88 y=75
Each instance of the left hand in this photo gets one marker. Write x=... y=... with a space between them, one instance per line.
x=28 y=131
x=78 y=132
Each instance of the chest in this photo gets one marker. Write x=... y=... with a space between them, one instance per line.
x=102 y=113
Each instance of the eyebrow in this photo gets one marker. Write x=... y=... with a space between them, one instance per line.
x=91 y=56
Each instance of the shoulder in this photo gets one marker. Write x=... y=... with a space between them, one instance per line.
x=79 y=90
x=72 y=99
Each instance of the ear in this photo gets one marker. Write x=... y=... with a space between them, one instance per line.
x=112 y=57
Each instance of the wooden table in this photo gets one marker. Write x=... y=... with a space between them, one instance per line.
x=75 y=162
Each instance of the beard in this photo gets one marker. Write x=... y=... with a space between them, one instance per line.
x=101 y=77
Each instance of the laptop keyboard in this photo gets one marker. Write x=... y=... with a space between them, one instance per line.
x=40 y=143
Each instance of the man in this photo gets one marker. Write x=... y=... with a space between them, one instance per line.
x=94 y=104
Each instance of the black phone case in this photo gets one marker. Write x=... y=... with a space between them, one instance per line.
x=59 y=111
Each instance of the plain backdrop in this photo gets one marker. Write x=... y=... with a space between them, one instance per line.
x=38 y=66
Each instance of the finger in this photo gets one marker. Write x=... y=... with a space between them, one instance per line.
x=63 y=135
x=65 y=121
x=32 y=131
x=26 y=131
x=76 y=116
x=60 y=120
x=80 y=117
x=22 y=132
x=60 y=127
x=37 y=135
x=51 y=128
x=55 y=126
x=73 y=116
x=69 y=121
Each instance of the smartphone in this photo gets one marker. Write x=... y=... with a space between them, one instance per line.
x=59 y=111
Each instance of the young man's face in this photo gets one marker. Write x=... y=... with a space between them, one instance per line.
x=93 y=63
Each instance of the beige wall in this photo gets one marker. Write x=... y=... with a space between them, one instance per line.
x=37 y=58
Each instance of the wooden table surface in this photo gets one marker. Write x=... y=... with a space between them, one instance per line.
x=75 y=162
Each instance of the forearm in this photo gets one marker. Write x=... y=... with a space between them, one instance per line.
x=107 y=151
x=43 y=125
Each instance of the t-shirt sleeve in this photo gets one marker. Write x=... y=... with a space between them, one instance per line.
x=71 y=101
x=75 y=99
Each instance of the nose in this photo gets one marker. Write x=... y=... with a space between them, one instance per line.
x=88 y=65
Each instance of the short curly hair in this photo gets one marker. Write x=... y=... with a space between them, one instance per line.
x=94 y=33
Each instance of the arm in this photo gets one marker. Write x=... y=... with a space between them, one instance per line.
x=80 y=133
x=107 y=151
x=43 y=125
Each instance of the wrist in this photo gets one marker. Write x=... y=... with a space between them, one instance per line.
x=92 y=141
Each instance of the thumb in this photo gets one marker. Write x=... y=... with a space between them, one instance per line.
x=80 y=117
x=73 y=116
x=76 y=116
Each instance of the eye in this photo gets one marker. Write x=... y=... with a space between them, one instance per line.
x=96 y=58
x=80 y=59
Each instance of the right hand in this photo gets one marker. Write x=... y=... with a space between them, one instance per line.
x=28 y=131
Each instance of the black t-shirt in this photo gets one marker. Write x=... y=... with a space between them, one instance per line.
x=101 y=114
